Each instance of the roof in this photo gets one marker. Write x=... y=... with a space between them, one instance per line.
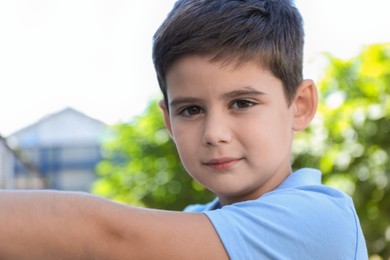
x=65 y=126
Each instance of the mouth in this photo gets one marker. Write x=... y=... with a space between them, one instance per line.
x=222 y=163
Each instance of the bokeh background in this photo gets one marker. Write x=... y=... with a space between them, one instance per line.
x=95 y=56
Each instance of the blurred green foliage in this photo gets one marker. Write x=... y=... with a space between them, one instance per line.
x=142 y=168
x=349 y=141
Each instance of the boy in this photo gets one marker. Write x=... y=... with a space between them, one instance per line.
x=231 y=75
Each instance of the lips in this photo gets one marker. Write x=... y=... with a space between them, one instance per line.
x=222 y=163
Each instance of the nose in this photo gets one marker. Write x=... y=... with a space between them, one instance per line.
x=216 y=130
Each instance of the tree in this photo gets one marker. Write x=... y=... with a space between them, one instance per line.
x=349 y=141
x=142 y=167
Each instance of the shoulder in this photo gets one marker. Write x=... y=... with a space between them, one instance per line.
x=301 y=222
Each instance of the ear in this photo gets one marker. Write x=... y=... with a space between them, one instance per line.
x=304 y=104
x=167 y=119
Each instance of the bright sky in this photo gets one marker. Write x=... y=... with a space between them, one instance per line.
x=95 y=55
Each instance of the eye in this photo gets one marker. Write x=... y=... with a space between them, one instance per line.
x=190 y=111
x=241 y=104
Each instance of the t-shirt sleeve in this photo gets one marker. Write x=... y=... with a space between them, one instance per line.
x=289 y=224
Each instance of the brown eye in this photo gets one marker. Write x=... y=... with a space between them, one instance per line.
x=190 y=111
x=242 y=103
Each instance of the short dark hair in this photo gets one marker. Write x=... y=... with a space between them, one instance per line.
x=269 y=32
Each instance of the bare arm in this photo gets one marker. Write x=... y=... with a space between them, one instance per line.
x=53 y=225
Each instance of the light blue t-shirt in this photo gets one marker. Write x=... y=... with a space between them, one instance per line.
x=300 y=219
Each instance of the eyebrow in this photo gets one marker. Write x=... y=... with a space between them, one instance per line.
x=246 y=91
x=183 y=100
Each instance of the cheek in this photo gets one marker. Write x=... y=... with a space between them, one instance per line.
x=184 y=141
x=281 y=136
x=267 y=133
x=187 y=155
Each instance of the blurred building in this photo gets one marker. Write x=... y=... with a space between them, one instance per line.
x=6 y=165
x=60 y=151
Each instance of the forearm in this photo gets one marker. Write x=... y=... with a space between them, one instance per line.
x=47 y=225
x=63 y=225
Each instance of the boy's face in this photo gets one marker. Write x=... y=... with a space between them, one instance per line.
x=232 y=126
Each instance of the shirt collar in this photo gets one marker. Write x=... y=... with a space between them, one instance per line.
x=305 y=176
x=301 y=177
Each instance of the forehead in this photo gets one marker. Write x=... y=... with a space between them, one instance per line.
x=201 y=64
